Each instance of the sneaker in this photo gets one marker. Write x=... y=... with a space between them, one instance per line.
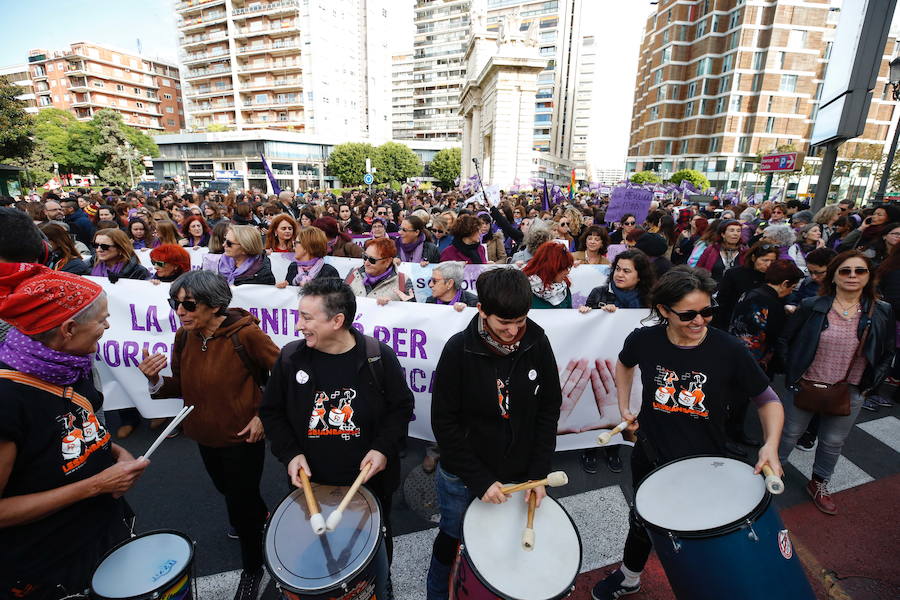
x=882 y=401
x=614 y=463
x=611 y=587
x=818 y=490
x=589 y=461
x=806 y=442
x=870 y=405
x=248 y=588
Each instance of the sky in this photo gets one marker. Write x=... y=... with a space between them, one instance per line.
x=54 y=24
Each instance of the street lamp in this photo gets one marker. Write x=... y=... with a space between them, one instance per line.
x=894 y=82
x=128 y=159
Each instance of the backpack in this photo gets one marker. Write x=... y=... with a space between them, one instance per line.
x=260 y=374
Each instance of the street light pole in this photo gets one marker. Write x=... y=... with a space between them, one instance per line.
x=894 y=82
x=129 y=159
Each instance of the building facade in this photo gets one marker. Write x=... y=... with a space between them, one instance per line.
x=20 y=75
x=88 y=77
x=722 y=81
x=310 y=67
x=403 y=124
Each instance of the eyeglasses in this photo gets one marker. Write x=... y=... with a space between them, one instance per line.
x=690 y=315
x=380 y=214
x=563 y=223
x=439 y=231
x=628 y=223
x=158 y=263
x=846 y=271
x=189 y=305
x=103 y=247
x=434 y=281
x=372 y=259
x=230 y=244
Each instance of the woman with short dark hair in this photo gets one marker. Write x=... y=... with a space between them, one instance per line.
x=592 y=246
x=466 y=245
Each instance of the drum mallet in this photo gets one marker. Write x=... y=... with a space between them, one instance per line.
x=335 y=517
x=773 y=482
x=528 y=534
x=554 y=479
x=604 y=437
x=316 y=520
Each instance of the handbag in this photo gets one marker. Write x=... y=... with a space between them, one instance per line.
x=831 y=399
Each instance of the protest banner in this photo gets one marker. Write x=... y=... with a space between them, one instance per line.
x=583 y=345
x=628 y=200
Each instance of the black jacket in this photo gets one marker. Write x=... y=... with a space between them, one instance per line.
x=81 y=227
x=325 y=272
x=601 y=296
x=430 y=252
x=890 y=290
x=735 y=282
x=133 y=269
x=467 y=298
x=287 y=404
x=262 y=276
x=800 y=341
x=466 y=418
x=758 y=320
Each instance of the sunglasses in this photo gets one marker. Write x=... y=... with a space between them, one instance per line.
x=189 y=305
x=433 y=281
x=690 y=315
x=846 y=271
x=230 y=244
x=628 y=223
x=103 y=247
x=158 y=263
x=440 y=231
x=371 y=259
x=380 y=214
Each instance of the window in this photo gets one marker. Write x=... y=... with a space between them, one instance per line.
x=796 y=38
x=733 y=19
x=714 y=144
x=759 y=60
x=657 y=77
x=169 y=109
x=120 y=87
x=788 y=83
x=701 y=29
x=137 y=91
x=684 y=147
x=769 y=105
x=669 y=148
x=667 y=54
x=704 y=66
x=140 y=104
x=797 y=103
x=665 y=39
x=736 y=103
x=720 y=104
x=689 y=109
x=743 y=145
x=770 y=124
x=733 y=40
x=661 y=93
x=728 y=63
x=725 y=84
x=49 y=67
x=692 y=89
x=682 y=33
x=757 y=82
x=654 y=114
x=171 y=122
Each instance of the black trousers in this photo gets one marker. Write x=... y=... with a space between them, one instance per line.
x=637 y=544
x=236 y=472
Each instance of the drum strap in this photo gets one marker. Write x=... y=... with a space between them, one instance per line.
x=648 y=449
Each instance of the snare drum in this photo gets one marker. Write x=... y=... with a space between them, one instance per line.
x=152 y=566
x=337 y=565
x=717 y=533
x=492 y=564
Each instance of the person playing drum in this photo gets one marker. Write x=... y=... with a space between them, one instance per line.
x=337 y=400
x=494 y=411
x=61 y=477
x=689 y=371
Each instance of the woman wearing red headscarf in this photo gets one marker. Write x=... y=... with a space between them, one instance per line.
x=61 y=477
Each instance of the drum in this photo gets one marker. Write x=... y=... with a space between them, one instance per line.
x=156 y=565
x=717 y=533
x=492 y=564
x=337 y=565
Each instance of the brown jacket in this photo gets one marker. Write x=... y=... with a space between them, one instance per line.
x=216 y=382
x=348 y=250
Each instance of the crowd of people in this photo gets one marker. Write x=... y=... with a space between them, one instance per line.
x=738 y=294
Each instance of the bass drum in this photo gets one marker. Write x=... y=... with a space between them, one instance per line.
x=156 y=565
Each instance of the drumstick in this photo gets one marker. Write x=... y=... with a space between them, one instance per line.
x=316 y=520
x=554 y=479
x=185 y=411
x=604 y=437
x=773 y=482
x=528 y=534
x=335 y=517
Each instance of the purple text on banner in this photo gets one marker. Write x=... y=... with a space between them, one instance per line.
x=625 y=200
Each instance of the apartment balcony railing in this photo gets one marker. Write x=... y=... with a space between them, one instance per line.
x=196 y=4
x=270 y=66
x=278 y=101
x=211 y=107
x=205 y=37
x=208 y=90
x=203 y=20
x=204 y=55
x=267 y=85
x=205 y=73
x=277 y=45
x=261 y=8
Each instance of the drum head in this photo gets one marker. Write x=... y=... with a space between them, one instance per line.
x=701 y=493
x=492 y=534
x=139 y=566
x=305 y=562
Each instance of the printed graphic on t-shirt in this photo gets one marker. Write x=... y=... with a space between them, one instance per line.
x=681 y=394
x=503 y=399
x=333 y=415
x=82 y=435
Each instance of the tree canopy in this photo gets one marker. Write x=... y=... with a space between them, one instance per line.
x=697 y=179
x=643 y=177
x=393 y=162
x=446 y=166
x=16 y=125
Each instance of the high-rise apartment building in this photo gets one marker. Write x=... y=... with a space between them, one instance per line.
x=20 y=75
x=312 y=67
x=88 y=77
x=403 y=123
x=720 y=81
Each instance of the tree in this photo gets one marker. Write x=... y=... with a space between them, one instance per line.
x=643 y=177
x=446 y=166
x=111 y=155
x=16 y=125
x=347 y=162
x=38 y=164
x=68 y=141
x=696 y=178
x=396 y=162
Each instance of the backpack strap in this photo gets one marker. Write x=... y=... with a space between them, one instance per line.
x=260 y=376
x=67 y=393
x=373 y=360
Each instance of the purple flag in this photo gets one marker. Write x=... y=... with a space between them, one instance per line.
x=545 y=202
x=275 y=187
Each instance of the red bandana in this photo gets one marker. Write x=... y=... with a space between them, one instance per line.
x=35 y=299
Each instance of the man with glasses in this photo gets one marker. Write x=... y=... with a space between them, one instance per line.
x=53 y=210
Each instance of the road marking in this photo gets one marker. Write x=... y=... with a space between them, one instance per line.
x=886 y=430
x=846 y=474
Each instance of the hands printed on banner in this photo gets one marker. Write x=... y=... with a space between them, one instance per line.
x=574 y=380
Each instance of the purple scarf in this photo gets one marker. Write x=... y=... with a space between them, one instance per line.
x=28 y=356
x=307 y=270
x=454 y=301
x=230 y=271
x=370 y=281
x=101 y=270
x=412 y=252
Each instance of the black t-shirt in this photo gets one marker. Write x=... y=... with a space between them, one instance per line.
x=342 y=423
x=685 y=389
x=58 y=441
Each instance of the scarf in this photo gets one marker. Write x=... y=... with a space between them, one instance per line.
x=496 y=345
x=371 y=281
x=454 y=301
x=412 y=252
x=101 y=270
x=470 y=251
x=28 y=356
x=307 y=270
x=553 y=293
x=331 y=244
x=228 y=269
x=138 y=244
x=626 y=298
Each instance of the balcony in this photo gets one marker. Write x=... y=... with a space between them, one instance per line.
x=193 y=5
x=37 y=91
x=279 y=45
x=197 y=73
x=276 y=28
x=37 y=76
x=211 y=107
x=256 y=8
x=277 y=102
x=270 y=66
x=203 y=21
x=83 y=102
x=204 y=56
x=78 y=85
x=209 y=91
x=287 y=82
x=202 y=39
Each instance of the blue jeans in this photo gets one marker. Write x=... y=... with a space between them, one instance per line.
x=833 y=432
x=454 y=498
x=383 y=587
